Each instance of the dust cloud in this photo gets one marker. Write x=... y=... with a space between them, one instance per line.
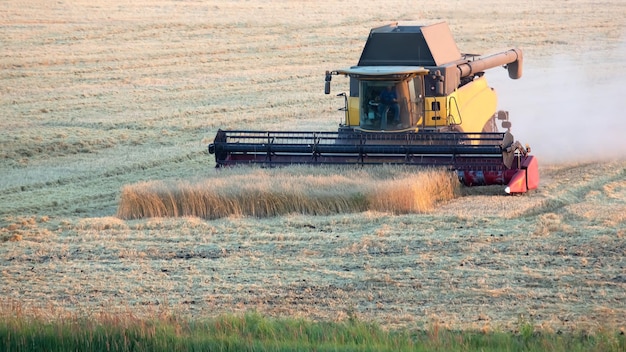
x=569 y=108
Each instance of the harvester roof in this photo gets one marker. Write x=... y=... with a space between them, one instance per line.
x=383 y=72
x=410 y=44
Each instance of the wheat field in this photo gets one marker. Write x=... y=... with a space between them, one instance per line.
x=101 y=99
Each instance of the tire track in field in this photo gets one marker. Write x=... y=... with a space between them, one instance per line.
x=560 y=186
x=569 y=184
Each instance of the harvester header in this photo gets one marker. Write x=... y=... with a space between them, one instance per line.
x=414 y=99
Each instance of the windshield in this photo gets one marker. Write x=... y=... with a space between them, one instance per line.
x=386 y=105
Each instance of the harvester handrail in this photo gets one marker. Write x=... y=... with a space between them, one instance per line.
x=458 y=111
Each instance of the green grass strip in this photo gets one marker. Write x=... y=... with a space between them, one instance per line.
x=253 y=332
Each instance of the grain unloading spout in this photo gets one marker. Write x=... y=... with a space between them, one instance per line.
x=512 y=59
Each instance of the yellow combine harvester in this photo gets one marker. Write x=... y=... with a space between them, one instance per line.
x=414 y=99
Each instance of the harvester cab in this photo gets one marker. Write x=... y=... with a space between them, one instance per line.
x=366 y=109
x=438 y=88
x=414 y=99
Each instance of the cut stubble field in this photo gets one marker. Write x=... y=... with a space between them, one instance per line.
x=101 y=96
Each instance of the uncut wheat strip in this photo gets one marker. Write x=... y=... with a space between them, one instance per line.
x=414 y=193
x=266 y=194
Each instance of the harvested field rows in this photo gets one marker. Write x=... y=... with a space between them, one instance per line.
x=100 y=95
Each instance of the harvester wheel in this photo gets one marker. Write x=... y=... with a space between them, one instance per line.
x=508 y=150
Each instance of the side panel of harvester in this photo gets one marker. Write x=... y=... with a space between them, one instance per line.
x=353 y=112
x=469 y=107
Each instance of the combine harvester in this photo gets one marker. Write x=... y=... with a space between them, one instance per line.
x=444 y=114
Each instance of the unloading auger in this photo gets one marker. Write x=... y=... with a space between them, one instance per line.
x=443 y=115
